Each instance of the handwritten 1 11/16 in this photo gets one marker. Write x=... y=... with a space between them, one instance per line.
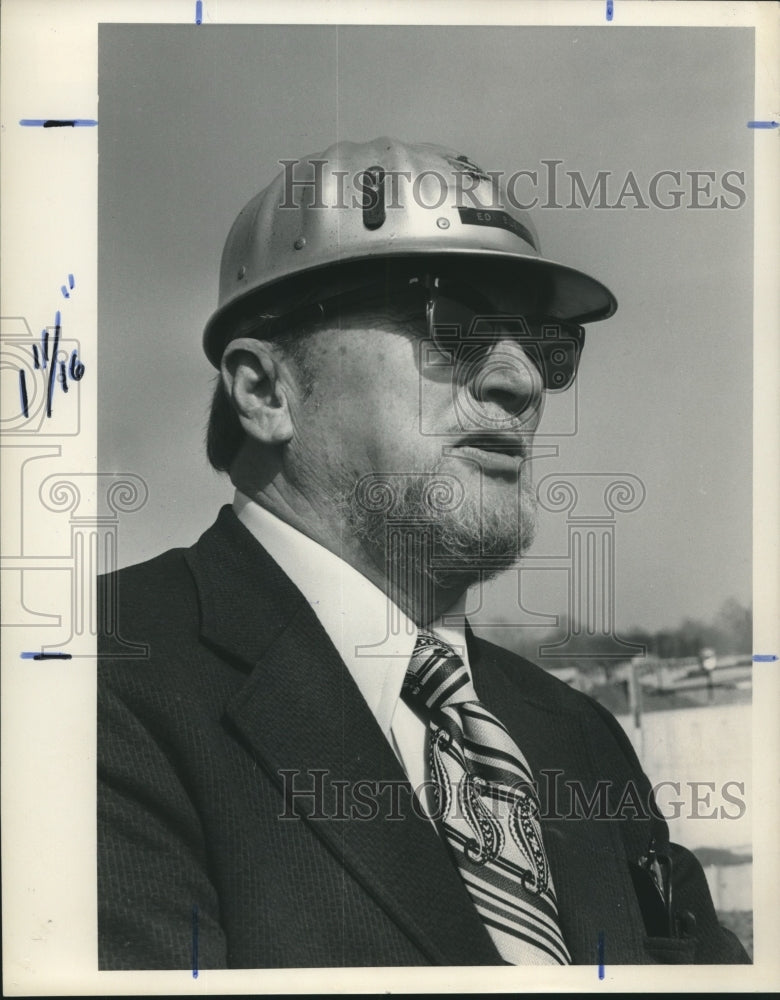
x=43 y=359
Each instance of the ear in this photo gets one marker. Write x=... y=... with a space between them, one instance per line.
x=255 y=382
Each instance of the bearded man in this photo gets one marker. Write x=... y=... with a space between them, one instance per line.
x=316 y=763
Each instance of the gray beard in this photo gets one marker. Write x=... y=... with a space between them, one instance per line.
x=423 y=530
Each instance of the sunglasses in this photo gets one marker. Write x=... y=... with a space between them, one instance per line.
x=463 y=320
x=460 y=319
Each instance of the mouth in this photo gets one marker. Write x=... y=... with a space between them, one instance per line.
x=498 y=444
x=503 y=452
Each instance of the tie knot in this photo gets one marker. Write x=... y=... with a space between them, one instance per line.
x=436 y=676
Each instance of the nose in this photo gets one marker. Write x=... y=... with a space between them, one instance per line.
x=506 y=384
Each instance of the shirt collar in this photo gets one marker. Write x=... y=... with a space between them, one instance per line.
x=374 y=638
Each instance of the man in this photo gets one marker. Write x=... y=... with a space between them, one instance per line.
x=316 y=763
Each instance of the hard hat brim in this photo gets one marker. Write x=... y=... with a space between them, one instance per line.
x=570 y=295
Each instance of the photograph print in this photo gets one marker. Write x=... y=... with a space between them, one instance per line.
x=427 y=352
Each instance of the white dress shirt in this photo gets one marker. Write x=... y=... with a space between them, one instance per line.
x=374 y=638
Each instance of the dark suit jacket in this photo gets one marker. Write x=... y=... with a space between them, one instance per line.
x=239 y=688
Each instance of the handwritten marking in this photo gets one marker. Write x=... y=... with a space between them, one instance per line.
x=764 y=657
x=76 y=367
x=53 y=366
x=199 y=12
x=46 y=656
x=58 y=122
x=601 y=954
x=610 y=9
x=195 y=941
x=59 y=371
x=763 y=124
x=23 y=393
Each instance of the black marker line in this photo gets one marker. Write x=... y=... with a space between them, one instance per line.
x=52 y=370
x=46 y=656
x=194 y=940
x=23 y=391
x=57 y=122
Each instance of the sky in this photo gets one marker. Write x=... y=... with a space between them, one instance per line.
x=193 y=123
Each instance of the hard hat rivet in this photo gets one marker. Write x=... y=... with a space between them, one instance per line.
x=241 y=272
x=300 y=243
x=443 y=223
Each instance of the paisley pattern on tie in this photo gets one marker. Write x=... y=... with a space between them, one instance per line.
x=488 y=809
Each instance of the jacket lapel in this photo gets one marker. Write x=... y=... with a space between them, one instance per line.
x=300 y=711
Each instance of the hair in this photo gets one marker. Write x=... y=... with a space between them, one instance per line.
x=224 y=433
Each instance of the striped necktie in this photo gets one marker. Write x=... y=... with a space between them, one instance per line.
x=488 y=808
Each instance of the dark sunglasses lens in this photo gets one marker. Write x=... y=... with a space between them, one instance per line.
x=552 y=346
x=560 y=348
x=452 y=319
